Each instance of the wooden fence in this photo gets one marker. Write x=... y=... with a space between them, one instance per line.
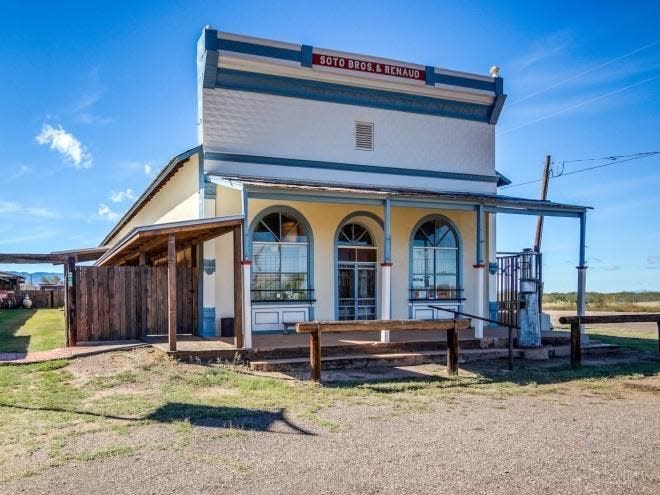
x=46 y=298
x=576 y=321
x=127 y=302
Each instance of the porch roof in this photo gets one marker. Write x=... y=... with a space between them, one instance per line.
x=152 y=239
x=400 y=196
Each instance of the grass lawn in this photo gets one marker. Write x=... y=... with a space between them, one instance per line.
x=23 y=330
x=632 y=337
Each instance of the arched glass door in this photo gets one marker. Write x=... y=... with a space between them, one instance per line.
x=356 y=274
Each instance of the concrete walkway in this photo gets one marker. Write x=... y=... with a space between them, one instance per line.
x=68 y=352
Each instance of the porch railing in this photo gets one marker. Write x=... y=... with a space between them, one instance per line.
x=512 y=268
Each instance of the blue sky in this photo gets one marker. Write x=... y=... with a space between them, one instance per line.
x=96 y=96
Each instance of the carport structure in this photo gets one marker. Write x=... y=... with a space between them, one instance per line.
x=161 y=245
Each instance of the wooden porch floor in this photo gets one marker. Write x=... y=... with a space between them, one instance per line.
x=223 y=347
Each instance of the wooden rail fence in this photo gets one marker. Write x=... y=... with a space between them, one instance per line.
x=576 y=321
x=316 y=328
x=127 y=302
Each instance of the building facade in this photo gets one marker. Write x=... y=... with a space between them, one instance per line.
x=367 y=186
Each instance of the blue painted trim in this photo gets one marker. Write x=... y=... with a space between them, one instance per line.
x=459 y=241
x=247 y=245
x=502 y=180
x=208 y=328
x=209 y=266
x=496 y=109
x=350 y=219
x=210 y=190
x=387 y=257
x=306 y=225
x=464 y=82
x=210 y=39
x=537 y=212
x=583 y=240
x=492 y=312
x=284 y=196
x=480 y=235
x=210 y=74
x=499 y=85
x=430 y=73
x=349 y=95
x=260 y=50
x=306 y=56
x=405 y=203
x=347 y=167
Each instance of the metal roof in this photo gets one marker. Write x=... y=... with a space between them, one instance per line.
x=152 y=239
x=393 y=192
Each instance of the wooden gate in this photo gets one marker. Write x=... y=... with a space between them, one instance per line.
x=128 y=302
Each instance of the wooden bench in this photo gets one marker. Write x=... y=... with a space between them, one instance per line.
x=315 y=328
x=576 y=321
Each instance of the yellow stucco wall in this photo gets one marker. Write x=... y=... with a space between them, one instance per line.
x=325 y=219
x=177 y=200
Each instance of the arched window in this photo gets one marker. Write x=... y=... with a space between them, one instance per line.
x=280 y=251
x=435 y=259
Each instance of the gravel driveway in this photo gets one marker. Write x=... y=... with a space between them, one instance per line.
x=563 y=440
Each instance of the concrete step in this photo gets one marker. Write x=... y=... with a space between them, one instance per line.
x=395 y=359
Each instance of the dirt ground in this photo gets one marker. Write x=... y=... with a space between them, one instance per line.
x=583 y=436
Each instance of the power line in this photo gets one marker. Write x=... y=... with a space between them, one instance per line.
x=614 y=160
x=577 y=105
x=583 y=73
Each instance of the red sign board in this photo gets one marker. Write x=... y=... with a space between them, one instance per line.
x=358 y=65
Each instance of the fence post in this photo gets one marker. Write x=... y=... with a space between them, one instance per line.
x=452 y=350
x=510 y=346
x=576 y=349
x=315 y=355
x=72 y=336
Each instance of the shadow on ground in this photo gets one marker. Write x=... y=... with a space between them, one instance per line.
x=200 y=415
x=11 y=320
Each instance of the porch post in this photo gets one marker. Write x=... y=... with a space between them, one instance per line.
x=238 y=288
x=492 y=268
x=247 y=277
x=582 y=277
x=386 y=272
x=171 y=292
x=207 y=322
x=481 y=272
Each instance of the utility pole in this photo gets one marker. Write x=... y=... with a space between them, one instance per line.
x=544 y=196
x=539 y=227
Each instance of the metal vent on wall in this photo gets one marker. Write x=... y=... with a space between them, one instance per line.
x=364 y=136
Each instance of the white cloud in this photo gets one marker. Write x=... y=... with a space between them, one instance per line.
x=119 y=196
x=148 y=169
x=66 y=144
x=13 y=208
x=106 y=213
